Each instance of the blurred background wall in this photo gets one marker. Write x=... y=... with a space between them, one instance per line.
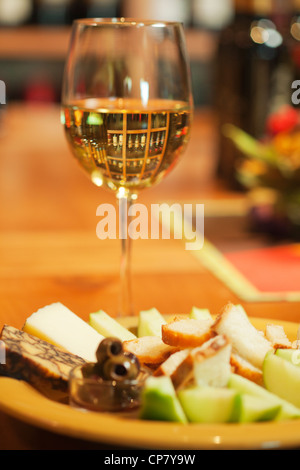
x=34 y=36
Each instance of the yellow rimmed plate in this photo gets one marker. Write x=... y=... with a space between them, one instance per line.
x=23 y=402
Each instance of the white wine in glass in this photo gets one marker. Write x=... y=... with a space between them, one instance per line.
x=126 y=109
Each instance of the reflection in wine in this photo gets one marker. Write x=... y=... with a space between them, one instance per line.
x=120 y=143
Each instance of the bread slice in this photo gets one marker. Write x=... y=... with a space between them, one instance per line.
x=151 y=351
x=187 y=333
x=296 y=342
x=212 y=362
x=244 y=368
x=171 y=367
x=208 y=364
x=246 y=340
x=276 y=335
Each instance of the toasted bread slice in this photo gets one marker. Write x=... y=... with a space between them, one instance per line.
x=150 y=350
x=246 y=340
x=170 y=365
x=296 y=342
x=208 y=364
x=276 y=335
x=212 y=362
x=187 y=333
x=244 y=368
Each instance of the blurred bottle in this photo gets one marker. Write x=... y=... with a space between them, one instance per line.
x=60 y=12
x=255 y=68
x=52 y=12
x=103 y=8
x=76 y=9
x=164 y=10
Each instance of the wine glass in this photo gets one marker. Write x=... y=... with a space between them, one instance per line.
x=126 y=109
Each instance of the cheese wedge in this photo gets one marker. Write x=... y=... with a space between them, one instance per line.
x=58 y=325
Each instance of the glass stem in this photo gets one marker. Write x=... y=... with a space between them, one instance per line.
x=126 y=305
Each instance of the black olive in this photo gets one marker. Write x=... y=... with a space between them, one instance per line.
x=109 y=347
x=88 y=370
x=121 y=367
x=135 y=365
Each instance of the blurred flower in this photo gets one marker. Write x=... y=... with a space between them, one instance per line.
x=272 y=164
x=283 y=120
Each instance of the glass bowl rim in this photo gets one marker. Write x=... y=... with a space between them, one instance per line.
x=123 y=21
x=140 y=380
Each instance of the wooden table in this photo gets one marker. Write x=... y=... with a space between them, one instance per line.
x=49 y=250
